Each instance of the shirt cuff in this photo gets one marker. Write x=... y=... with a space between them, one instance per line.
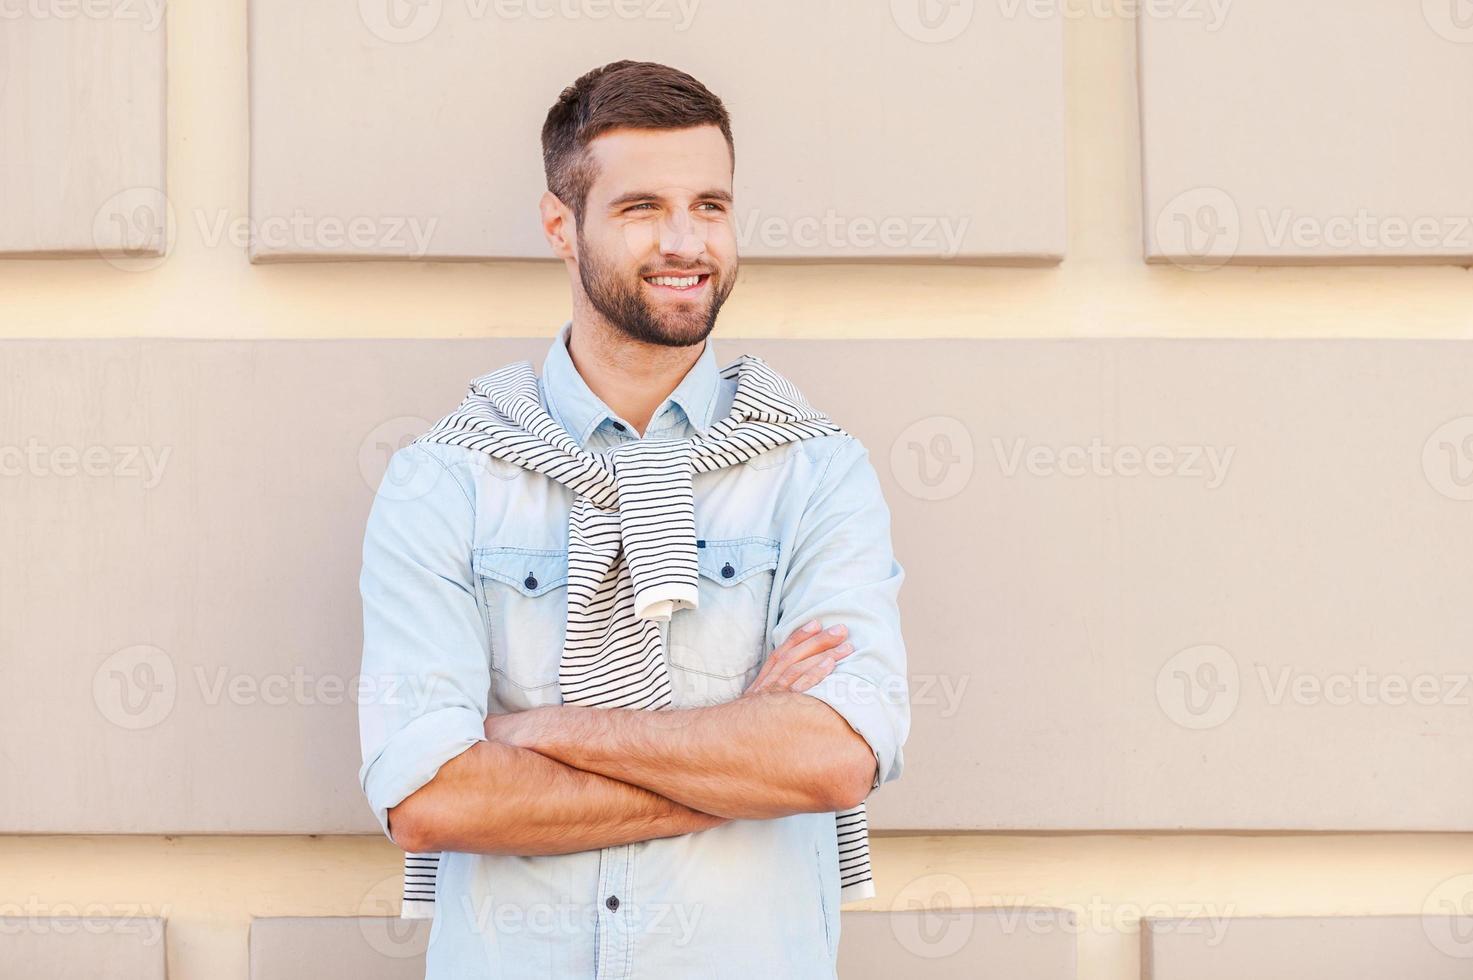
x=412 y=756
x=862 y=704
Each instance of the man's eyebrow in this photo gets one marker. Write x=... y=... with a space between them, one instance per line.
x=634 y=197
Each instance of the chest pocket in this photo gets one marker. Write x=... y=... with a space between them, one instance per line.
x=525 y=598
x=716 y=650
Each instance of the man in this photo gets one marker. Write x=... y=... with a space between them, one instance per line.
x=613 y=842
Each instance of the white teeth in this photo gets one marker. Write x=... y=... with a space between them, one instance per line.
x=680 y=282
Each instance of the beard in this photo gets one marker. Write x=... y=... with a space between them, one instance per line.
x=624 y=303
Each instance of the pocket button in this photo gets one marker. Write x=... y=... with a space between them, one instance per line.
x=715 y=649
x=526 y=611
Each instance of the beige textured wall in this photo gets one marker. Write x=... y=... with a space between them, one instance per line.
x=209 y=887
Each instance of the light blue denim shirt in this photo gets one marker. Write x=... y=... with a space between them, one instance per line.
x=464 y=587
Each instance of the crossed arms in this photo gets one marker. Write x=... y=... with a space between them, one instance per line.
x=809 y=735
x=572 y=778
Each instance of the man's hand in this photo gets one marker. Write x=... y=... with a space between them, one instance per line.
x=808 y=656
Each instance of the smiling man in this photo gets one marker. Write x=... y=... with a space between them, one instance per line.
x=647 y=604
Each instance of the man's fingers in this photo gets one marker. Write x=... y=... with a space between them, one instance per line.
x=821 y=668
x=786 y=647
x=798 y=647
x=788 y=679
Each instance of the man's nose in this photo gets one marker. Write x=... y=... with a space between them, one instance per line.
x=683 y=236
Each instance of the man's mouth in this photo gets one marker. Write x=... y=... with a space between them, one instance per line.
x=678 y=284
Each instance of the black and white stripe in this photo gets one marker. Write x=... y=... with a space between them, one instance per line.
x=631 y=547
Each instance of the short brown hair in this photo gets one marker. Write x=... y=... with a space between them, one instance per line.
x=634 y=94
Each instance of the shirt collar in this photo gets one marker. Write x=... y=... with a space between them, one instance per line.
x=580 y=412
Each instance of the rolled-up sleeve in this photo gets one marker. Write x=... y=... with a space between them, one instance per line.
x=843 y=570
x=425 y=674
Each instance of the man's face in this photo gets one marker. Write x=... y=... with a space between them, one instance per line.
x=656 y=249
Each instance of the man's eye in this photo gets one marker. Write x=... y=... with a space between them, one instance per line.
x=646 y=204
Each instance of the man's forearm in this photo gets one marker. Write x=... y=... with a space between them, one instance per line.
x=500 y=799
x=761 y=756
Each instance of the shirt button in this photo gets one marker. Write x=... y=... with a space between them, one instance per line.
x=531 y=582
x=727 y=571
x=619 y=426
x=613 y=903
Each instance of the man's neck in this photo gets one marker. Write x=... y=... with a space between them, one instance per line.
x=631 y=377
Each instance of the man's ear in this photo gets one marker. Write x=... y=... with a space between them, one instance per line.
x=559 y=225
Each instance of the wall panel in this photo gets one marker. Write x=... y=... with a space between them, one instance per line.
x=1302 y=132
x=82 y=112
x=1150 y=584
x=862 y=130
